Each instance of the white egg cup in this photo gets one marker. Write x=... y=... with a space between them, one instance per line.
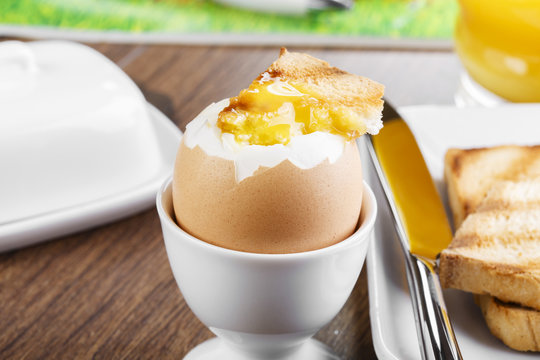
x=264 y=306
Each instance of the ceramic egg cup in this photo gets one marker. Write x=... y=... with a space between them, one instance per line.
x=264 y=306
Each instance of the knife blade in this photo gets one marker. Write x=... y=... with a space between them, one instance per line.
x=421 y=225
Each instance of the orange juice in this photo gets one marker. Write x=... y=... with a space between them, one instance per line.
x=498 y=42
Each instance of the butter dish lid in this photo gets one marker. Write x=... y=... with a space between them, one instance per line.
x=79 y=144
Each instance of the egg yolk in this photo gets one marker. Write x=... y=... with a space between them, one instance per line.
x=272 y=110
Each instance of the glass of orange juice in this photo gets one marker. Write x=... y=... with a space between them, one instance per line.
x=498 y=42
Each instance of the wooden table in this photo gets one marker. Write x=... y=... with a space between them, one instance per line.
x=109 y=292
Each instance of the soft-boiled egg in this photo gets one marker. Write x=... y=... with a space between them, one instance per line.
x=271 y=171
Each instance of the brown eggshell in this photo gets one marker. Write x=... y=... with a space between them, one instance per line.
x=282 y=209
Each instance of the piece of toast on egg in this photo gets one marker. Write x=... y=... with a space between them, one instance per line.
x=350 y=92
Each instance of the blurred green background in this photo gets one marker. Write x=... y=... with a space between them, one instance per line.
x=423 y=19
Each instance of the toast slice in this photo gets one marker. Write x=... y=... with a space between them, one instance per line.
x=496 y=250
x=470 y=173
x=298 y=95
x=339 y=88
x=518 y=327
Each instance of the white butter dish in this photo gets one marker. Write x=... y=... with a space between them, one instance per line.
x=79 y=144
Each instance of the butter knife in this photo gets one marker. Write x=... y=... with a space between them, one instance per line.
x=422 y=227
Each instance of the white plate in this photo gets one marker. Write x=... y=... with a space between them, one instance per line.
x=53 y=224
x=437 y=129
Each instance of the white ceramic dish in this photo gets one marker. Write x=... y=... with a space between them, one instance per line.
x=296 y=7
x=86 y=215
x=437 y=129
x=263 y=312
x=79 y=144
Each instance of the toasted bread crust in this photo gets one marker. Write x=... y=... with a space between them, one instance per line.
x=360 y=94
x=452 y=172
x=518 y=327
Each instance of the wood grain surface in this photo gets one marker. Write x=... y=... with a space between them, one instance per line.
x=109 y=293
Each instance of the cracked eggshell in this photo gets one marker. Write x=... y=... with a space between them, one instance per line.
x=282 y=209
